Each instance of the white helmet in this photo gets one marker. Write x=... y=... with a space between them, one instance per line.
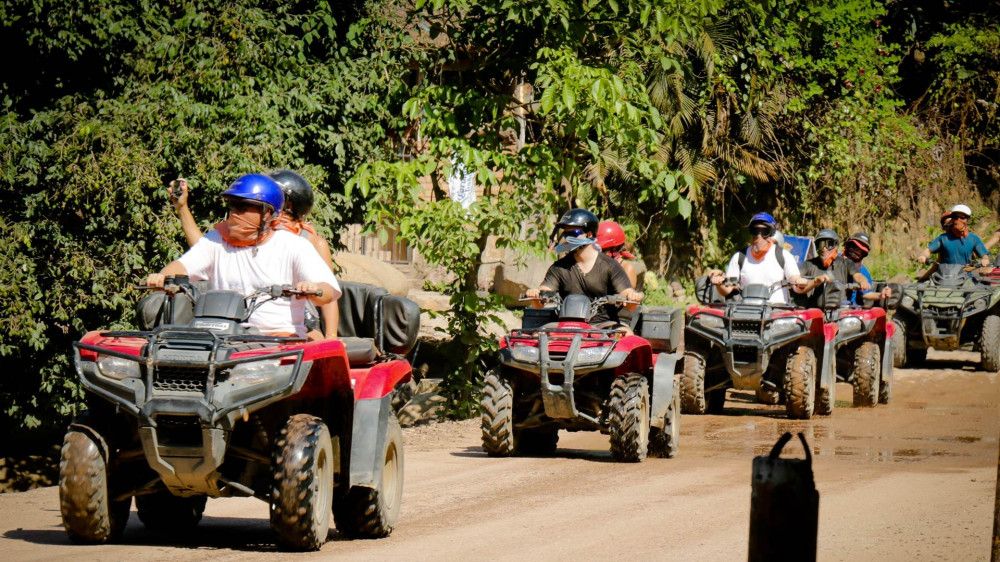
x=964 y=209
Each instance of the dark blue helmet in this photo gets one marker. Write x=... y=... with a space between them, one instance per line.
x=258 y=187
x=764 y=218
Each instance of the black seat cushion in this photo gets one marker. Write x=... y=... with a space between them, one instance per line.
x=357 y=304
x=400 y=324
x=360 y=350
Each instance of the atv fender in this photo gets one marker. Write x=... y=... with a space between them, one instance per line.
x=828 y=374
x=887 y=359
x=368 y=434
x=663 y=386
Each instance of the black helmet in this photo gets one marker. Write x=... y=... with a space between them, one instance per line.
x=861 y=237
x=298 y=193
x=581 y=218
x=826 y=234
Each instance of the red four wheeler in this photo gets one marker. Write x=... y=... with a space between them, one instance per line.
x=863 y=350
x=201 y=406
x=561 y=372
x=749 y=343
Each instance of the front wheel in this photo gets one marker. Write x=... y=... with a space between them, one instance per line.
x=89 y=514
x=664 y=442
x=628 y=418
x=693 y=397
x=800 y=383
x=867 y=367
x=989 y=342
x=369 y=513
x=302 y=491
x=497 y=421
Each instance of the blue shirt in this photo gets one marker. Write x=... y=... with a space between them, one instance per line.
x=856 y=296
x=952 y=249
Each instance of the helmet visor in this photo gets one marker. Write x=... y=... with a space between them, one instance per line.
x=762 y=229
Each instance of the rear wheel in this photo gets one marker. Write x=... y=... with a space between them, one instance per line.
x=628 y=418
x=498 y=416
x=537 y=441
x=800 y=383
x=693 y=398
x=302 y=491
x=370 y=513
x=899 y=344
x=89 y=514
x=916 y=357
x=164 y=511
x=664 y=442
x=867 y=367
x=989 y=342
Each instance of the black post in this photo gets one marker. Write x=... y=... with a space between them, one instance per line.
x=784 y=507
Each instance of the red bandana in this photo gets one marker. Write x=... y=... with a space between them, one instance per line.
x=829 y=259
x=760 y=255
x=223 y=228
x=285 y=222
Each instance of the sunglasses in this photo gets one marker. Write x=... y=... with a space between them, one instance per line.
x=855 y=252
x=765 y=231
x=572 y=232
x=960 y=217
x=826 y=245
x=243 y=206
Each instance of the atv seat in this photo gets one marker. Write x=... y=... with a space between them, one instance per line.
x=360 y=350
x=389 y=323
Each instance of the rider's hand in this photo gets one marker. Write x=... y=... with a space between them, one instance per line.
x=865 y=285
x=717 y=279
x=179 y=193
x=985 y=261
x=156 y=279
x=532 y=294
x=632 y=295
x=308 y=287
x=922 y=259
x=887 y=293
x=822 y=279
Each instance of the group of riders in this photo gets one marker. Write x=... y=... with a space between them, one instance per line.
x=265 y=240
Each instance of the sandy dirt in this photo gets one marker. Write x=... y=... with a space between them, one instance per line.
x=914 y=480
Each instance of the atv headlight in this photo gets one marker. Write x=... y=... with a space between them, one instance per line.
x=783 y=326
x=850 y=324
x=254 y=372
x=907 y=301
x=524 y=352
x=711 y=321
x=977 y=305
x=593 y=354
x=117 y=368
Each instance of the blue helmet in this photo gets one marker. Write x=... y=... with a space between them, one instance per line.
x=258 y=187
x=764 y=218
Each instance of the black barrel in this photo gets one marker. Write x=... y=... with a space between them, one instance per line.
x=784 y=506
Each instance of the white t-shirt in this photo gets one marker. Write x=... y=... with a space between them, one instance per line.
x=284 y=259
x=764 y=272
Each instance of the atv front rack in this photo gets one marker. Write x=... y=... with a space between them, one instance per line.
x=558 y=398
x=197 y=349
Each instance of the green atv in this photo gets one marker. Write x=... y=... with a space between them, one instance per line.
x=956 y=308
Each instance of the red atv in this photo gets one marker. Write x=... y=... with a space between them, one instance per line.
x=201 y=406
x=863 y=349
x=561 y=372
x=748 y=343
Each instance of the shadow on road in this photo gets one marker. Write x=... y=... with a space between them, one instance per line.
x=476 y=452
x=222 y=533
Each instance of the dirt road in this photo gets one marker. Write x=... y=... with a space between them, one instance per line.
x=914 y=480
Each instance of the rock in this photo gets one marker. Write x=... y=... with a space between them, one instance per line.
x=364 y=269
x=677 y=288
x=422 y=407
x=511 y=280
x=429 y=300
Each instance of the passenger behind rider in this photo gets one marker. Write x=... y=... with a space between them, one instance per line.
x=584 y=270
x=246 y=252
x=857 y=249
x=829 y=265
x=760 y=264
x=956 y=246
x=298 y=203
x=611 y=239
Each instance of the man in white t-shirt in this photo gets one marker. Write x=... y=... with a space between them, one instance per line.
x=760 y=264
x=245 y=253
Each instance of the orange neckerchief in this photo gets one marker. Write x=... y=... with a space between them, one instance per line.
x=223 y=229
x=285 y=222
x=760 y=255
x=830 y=258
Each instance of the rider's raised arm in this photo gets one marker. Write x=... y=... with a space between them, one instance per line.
x=179 y=197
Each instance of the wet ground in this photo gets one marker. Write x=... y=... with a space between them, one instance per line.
x=914 y=480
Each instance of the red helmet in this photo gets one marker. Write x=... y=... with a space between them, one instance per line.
x=611 y=237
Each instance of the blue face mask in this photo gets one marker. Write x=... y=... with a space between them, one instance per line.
x=573 y=243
